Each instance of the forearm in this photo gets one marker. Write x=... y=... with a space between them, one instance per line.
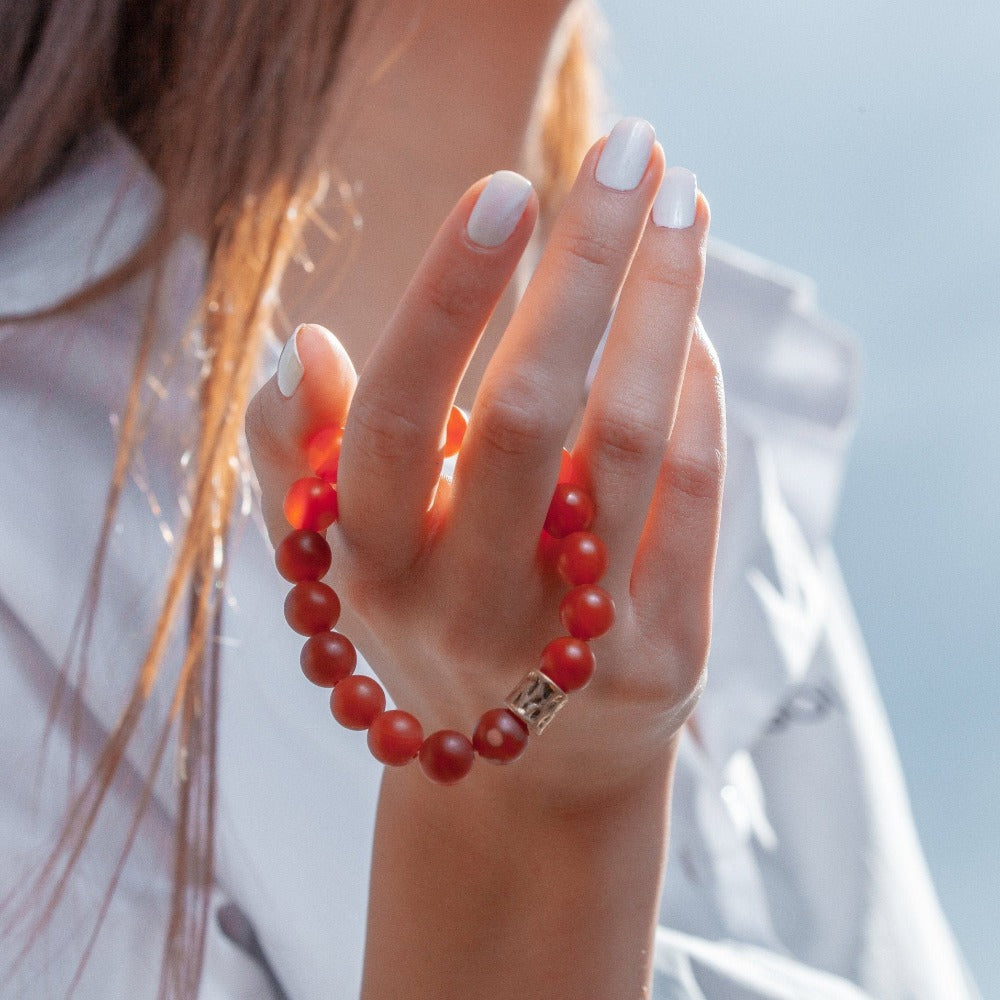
x=471 y=898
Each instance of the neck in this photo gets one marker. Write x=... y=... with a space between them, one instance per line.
x=456 y=103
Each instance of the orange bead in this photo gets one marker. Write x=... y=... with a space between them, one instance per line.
x=395 y=737
x=357 y=701
x=582 y=558
x=548 y=549
x=312 y=607
x=327 y=658
x=500 y=736
x=323 y=452
x=571 y=510
x=587 y=612
x=454 y=433
x=311 y=504
x=567 y=471
x=446 y=756
x=568 y=663
x=303 y=555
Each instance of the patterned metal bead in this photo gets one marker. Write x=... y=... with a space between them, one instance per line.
x=536 y=700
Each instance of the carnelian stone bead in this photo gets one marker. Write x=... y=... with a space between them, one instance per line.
x=327 y=658
x=567 y=470
x=312 y=607
x=454 y=432
x=587 y=611
x=568 y=663
x=548 y=549
x=357 y=701
x=311 y=504
x=395 y=737
x=323 y=452
x=571 y=510
x=446 y=756
x=582 y=558
x=303 y=555
x=500 y=736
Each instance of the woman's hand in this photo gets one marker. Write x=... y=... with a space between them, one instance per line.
x=540 y=878
x=447 y=596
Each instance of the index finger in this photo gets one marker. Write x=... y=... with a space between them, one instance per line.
x=392 y=450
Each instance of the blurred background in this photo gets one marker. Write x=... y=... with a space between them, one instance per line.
x=858 y=142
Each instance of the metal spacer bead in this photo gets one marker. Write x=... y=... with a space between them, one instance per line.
x=536 y=700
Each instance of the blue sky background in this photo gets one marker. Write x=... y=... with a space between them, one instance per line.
x=859 y=142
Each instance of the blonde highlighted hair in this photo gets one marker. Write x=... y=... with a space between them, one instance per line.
x=225 y=99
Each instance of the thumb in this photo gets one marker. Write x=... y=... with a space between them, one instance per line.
x=311 y=389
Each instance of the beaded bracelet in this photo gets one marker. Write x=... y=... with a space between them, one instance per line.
x=328 y=658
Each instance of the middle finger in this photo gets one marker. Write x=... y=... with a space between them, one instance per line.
x=533 y=385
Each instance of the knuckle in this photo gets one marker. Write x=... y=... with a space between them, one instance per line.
x=698 y=477
x=680 y=272
x=590 y=247
x=453 y=301
x=625 y=437
x=388 y=434
x=513 y=418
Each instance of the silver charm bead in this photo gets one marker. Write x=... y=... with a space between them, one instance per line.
x=536 y=700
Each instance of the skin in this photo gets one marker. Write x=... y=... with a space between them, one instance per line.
x=542 y=878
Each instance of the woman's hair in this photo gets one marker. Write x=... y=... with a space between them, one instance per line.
x=226 y=101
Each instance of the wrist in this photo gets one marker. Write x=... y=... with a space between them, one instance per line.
x=513 y=876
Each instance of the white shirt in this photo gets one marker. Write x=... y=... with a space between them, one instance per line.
x=794 y=870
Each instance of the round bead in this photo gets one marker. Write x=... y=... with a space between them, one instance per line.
x=571 y=510
x=454 y=433
x=567 y=471
x=323 y=452
x=587 y=611
x=500 y=736
x=582 y=558
x=312 y=607
x=357 y=701
x=303 y=555
x=568 y=663
x=548 y=549
x=311 y=504
x=395 y=737
x=327 y=658
x=446 y=756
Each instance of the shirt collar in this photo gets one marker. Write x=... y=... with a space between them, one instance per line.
x=79 y=228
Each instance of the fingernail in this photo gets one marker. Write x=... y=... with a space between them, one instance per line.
x=625 y=154
x=290 y=370
x=498 y=208
x=677 y=200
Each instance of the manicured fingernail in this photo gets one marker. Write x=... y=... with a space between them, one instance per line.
x=625 y=154
x=677 y=200
x=498 y=208
x=290 y=370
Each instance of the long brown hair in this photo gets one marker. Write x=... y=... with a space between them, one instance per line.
x=226 y=101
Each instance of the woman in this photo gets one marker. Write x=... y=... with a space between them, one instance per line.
x=542 y=877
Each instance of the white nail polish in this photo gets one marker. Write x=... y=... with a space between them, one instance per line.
x=625 y=155
x=498 y=208
x=290 y=370
x=677 y=200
